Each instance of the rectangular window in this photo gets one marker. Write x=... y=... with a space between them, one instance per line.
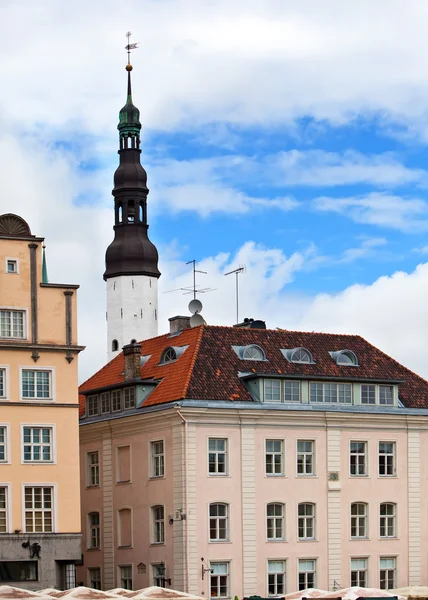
x=276 y=577
x=306 y=521
x=18 y=570
x=94 y=537
x=3 y=444
x=291 y=391
x=116 y=396
x=3 y=511
x=105 y=402
x=359 y=572
x=36 y=384
x=37 y=444
x=128 y=398
x=386 y=459
x=358 y=459
x=274 y=457
x=158 y=514
x=95 y=578
x=12 y=324
x=368 y=394
x=387 y=520
x=92 y=405
x=275 y=522
x=307 y=574
x=272 y=390
x=123 y=464
x=2 y=383
x=386 y=394
x=219 y=580
x=218 y=523
x=358 y=520
x=12 y=266
x=125 y=528
x=93 y=468
x=331 y=392
x=159 y=575
x=305 y=457
x=38 y=502
x=69 y=576
x=387 y=573
x=158 y=459
x=217 y=456
x=126 y=577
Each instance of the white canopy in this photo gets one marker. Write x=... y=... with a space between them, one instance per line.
x=352 y=593
x=308 y=593
x=158 y=593
x=414 y=591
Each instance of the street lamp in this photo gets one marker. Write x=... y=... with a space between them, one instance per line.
x=161 y=571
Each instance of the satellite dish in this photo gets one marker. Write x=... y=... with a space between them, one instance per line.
x=196 y=319
x=195 y=306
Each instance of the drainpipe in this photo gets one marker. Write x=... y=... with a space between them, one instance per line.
x=184 y=422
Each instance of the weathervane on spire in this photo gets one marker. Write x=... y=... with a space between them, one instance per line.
x=128 y=48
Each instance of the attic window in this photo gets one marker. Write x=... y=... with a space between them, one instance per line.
x=168 y=355
x=298 y=355
x=345 y=357
x=252 y=352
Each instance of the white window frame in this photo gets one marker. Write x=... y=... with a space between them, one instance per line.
x=306 y=573
x=304 y=519
x=275 y=578
x=326 y=387
x=272 y=381
x=8 y=487
x=54 y=504
x=122 y=579
x=129 y=397
x=227 y=575
x=52 y=427
x=394 y=458
x=216 y=453
x=157 y=459
x=24 y=322
x=218 y=519
x=52 y=378
x=292 y=382
x=275 y=519
x=92 y=467
x=357 y=518
x=8 y=259
x=358 y=572
x=6 y=460
x=273 y=454
x=386 y=520
x=365 y=454
x=6 y=383
x=93 y=528
x=90 y=570
x=96 y=404
x=394 y=569
x=305 y=453
x=158 y=531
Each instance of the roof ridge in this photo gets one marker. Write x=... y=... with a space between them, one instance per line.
x=280 y=330
x=192 y=363
x=396 y=362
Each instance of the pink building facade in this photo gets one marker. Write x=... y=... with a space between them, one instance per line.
x=228 y=475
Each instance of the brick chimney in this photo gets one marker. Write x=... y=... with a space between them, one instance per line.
x=177 y=324
x=132 y=353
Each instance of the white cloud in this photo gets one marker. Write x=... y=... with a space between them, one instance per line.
x=381 y=209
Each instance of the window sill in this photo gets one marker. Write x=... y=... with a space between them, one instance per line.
x=94 y=549
x=125 y=482
x=219 y=542
x=306 y=476
x=218 y=475
x=387 y=476
x=124 y=547
x=38 y=462
x=275 y=475
x=359 y=539
x=157 y=543
x=306 y=540
x=276 y=540
x=358 y=477
x=388 y=539
x=156 y=477
x=91 y=487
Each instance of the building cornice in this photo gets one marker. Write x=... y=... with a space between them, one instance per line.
x=47 y=347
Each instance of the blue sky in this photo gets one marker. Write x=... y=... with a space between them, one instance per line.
x=287 y=137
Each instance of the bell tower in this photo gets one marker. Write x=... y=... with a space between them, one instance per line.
x=131 y=259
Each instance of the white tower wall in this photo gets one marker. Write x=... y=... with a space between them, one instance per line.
x=132 y=310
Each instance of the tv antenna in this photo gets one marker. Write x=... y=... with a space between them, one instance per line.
x=195 y=288
x=238 y=271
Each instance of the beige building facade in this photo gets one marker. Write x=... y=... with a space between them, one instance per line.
x=40 y=539
x=223 y=475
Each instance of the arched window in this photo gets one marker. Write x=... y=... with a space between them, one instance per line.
x=275 y=521
x=301 y=355
x=306 y=521
x=131 y=211
x=359 y=520
x=158 y=524
x=140 y=212
x=120 y=212
x=253 y=352
x=219 y=527
x=168 y=355
x=346 y=357
x=114 y=346
x=387 y=517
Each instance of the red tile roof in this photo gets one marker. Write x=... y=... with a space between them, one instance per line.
x=208 y=368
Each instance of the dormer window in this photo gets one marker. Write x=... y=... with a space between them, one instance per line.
x=298 y=355
x=252 y=352
x=168 y=355
x=345 y=357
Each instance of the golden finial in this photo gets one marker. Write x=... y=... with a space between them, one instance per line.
x=128 y=48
